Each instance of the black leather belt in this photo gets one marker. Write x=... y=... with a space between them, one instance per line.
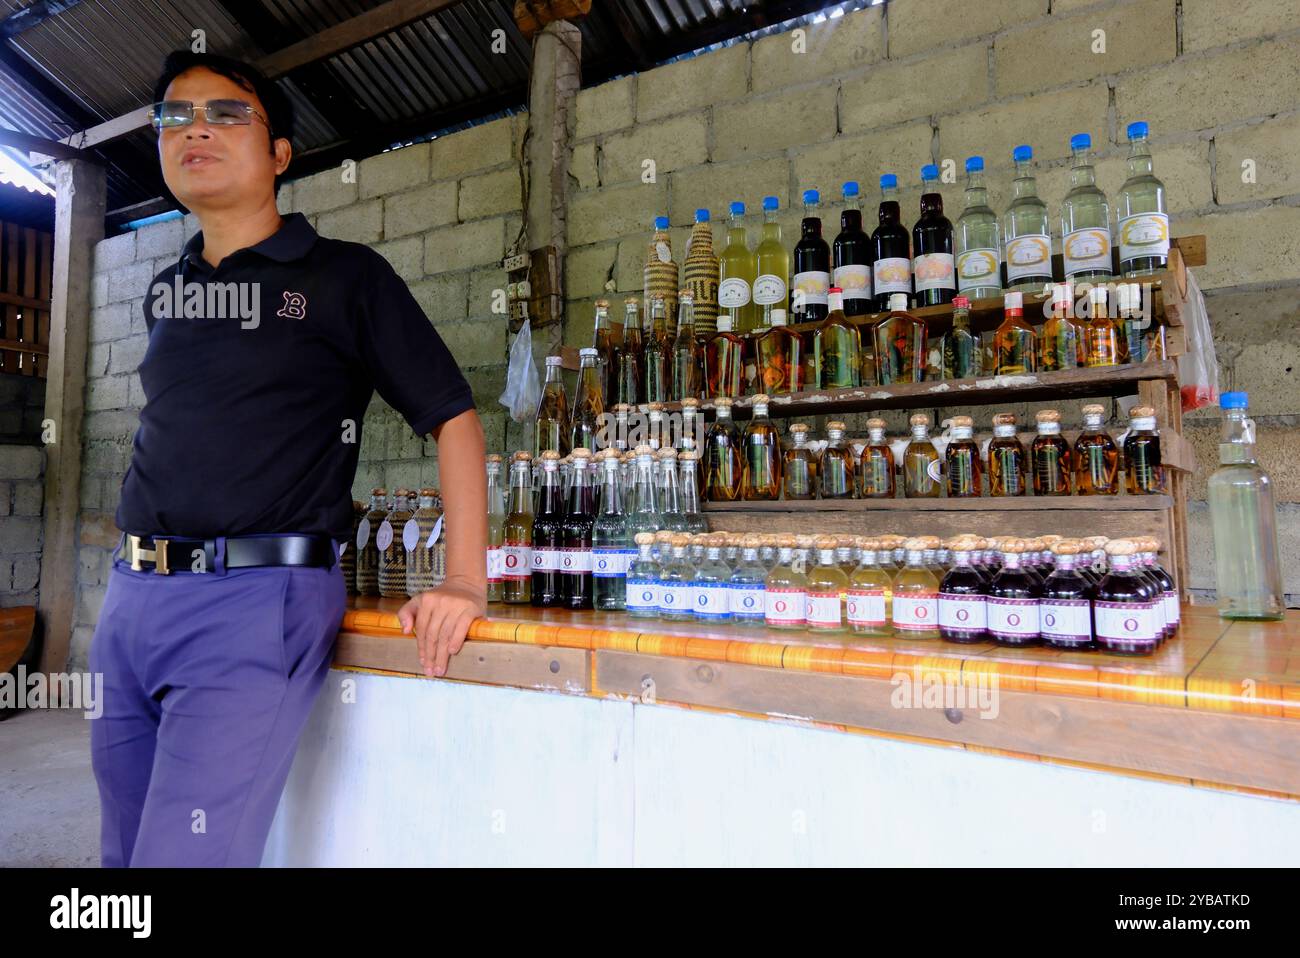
x=165 y=555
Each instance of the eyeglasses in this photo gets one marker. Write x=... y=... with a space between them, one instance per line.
x=170 y=114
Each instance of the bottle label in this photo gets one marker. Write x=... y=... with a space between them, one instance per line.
x=663 y=253
x=1013 y=618
x=785 y=606
x=768 y=289
x=866 y=607
x=748 y=602
x=1143 y=234
x=1173 y=614
x=642 y=595
x=811 y=288
x=934 y=469
x=609 y=563
x=363 y=533
x=855 y=280
x=978 y=267
x=384 y=537
x=546 y=560
x=1086 y=250
x=516 y=562
x=496 y=564
x=892 y=274
x=916 y=611
x=1066 y=619
x=410 y=535
x=963 y=613
x=575 y=561
x=824 y=611
x=733 y=292
x=675 y=597
x=1125 y=621
x=711 y=601
x=934 y=271
x=1029 y=255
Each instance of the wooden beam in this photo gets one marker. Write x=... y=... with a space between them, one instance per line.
x=18 y=346
x=39 y=144
x=532 y=15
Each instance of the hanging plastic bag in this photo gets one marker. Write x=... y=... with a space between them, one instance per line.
x=1198 y=369
x=523 y=385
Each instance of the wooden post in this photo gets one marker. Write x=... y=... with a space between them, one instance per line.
x=79 y=208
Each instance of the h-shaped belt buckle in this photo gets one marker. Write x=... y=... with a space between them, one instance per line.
x=157 y=555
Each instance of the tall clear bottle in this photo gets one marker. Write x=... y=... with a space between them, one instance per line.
x=552 y=412
x=1248 y=572
x=812 y=264
x=761 y=478
x=891 y=253
x=603 y=343
x=933 y=269
x=657 y=362
x=1085 y=219
x=590 y=404
x=977 y=239
x=772 y=261
x=629 y=381
x=1026 y=232
x=669 y=492
x=686 y=360
x=689 y=463
x=1140 y=211
x=517 y=550
x=737 y=270
x=851 y=256
x=496 y=530
x=611 y=550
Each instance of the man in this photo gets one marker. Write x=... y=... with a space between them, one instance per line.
x=266 y=343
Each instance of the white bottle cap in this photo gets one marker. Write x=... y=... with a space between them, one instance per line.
x=1014 y=300
x=898 y=302
x=778 y=317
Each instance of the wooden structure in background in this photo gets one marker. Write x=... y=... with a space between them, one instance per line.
x=26 y=261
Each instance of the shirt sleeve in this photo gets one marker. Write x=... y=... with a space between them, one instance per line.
x=409 y=364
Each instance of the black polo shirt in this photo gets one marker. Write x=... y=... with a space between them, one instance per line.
x=249 y=390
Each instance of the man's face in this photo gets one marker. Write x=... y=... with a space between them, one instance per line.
x=218 y=166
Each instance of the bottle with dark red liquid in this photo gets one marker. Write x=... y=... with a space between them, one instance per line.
x=1169 y=592
x=891 y=253
x=851 y=256
x=548 y=535
x=1124 y=614
x=1065 y=610
x=579 y=522
x=812 y=265
x=963 y=611
x=933 y=272
x=1013 y=599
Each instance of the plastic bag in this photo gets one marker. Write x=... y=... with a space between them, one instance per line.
x=523 y=385
x=1198 y=369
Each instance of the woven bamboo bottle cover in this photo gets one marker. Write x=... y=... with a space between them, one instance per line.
x=367 y=553
x=701 y=275
x=348 y=558
x=426 y=566
x=392 y=557
x=661 y=274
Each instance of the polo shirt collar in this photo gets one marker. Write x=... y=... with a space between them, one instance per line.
x=292 y=241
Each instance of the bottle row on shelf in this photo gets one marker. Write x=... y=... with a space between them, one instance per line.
x=397 y=547
x=980 y=256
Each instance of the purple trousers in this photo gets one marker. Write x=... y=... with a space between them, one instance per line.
x=208 y=680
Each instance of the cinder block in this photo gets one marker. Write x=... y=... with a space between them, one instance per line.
x=862 y=158
x=588 y=268
x=1246 y=246
x=90 y=491
x=833 y=48
x=693 y=83
x=946 y=82
x=20 y=534
x=97 y=360
x=1206 y=24
x=490 y=193
x=1275 y=446
x=130 y=281
x=485 y=286
x=443 y=298
x=394 y=171
x=99 y=289
x=21 y=462
x=1200 y=546
x=114 y=251
x=669 y=145
x=459 y=247
x=127 y=354
x=28 y=497
x=406 y=256
x=27 y=573
x=104 y=458
x=6 y=498
x=916 y=25
x=475 y=148
x=327 y=190
x=118 y=426
x=89 y=602
x=108 y=393
x=475 y=343
x=768 y=124
x=360 y=223
x=1266 y=152
x=1043 y=120
x=418 y=210
x=714 y=185
x=603 y=108
x=160 y=239
x=614 y=211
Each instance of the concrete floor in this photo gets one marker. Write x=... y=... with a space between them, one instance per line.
x=49 y=805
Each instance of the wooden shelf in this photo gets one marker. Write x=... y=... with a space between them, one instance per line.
x=976 y=504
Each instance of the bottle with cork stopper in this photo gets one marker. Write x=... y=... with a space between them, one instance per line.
x=922 y=467
x=643 y=580
x=686 y=359
x=963 y=611
x=965 y=465
x=837 y=466
x=710 y=589
x=1065 y=608
x=916 y=592
x=747 y=585
x=786 y=589
x=867 y=604
x=1165 y=583
x=876 y=465
x=1006 y=458
x=629 y=371
x=1143 y=473
x=676 y=575
x=1124 y=615
x=761 y=476
x=656 y=362
x=827 y=584
x=1050 y=454
x=799 y=470
x=517 y=534
x=1013 y=598
x=1096 y=457
x=722 y=459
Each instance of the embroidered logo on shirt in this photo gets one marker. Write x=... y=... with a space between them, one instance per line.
x=295 y=306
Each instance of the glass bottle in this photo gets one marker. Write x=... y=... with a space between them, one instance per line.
x=392 y=556
x=643 y=580
x=812 y=264
x=576 y=564
x=779 y=353
x=1124 y=613
x=761 y=476
x=691 y=436
x=964 y=464
x=737 y=270
x=922 y=467
x=1140 y=211
x=1103 y=334
x=348 y=553
x=933 y=271
x=722 y=459
x=835 y=347
x=1085 y=220
x=851 y=256
x=799 y=472
x=676 y=601
x=1170 y=607
x=1138 y=330
x=517 y=550
x=869 y=587
x=786 y=590
x=496 y=530
x=1063 y=342
x=827 y=585
x=548 y=536
x=670 y=502
x=657 y=363
x=1050 y=453
x=1243 y=516
x=661 y=277
x=1025 y=231
x=629 y=381
x=1096 y=457
x=1006 y=458
x=686 y=352
x=1013 y=599
x=1143 y=473
x=772 y=262
x=846 y=554
x=900 y=345
x=877 y=463
x=690 y=488
x=367 y=551
x=961 y=347
x=837 y=466
x=603 y=343
x=977 y=239
x=891 y=254
x=711 y=588
x=1017 y=342
x=553 y=411
x=963 y=610
x=916 y=593
x=611 y=550
x=700 y=274
x=747 y=585
x=1065 y=608
x=724 y=361
x=590 y=404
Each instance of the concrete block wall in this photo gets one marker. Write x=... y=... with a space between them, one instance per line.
x=893 y=87
x=22 y=492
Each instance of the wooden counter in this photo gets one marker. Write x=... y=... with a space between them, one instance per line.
x=1218 y=706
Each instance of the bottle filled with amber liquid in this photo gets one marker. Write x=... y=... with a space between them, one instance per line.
x=722 y=459
x=963 y=613
x=590 y=403
x=517 y=534
x=837 y=466
x=603 y=343
x=724 y=361
x=629 y=374
x=1096 y=457
x=870 y=591
x=657 y=363
x=922 y=467
x=1104 y=340
x=799 y=472
x=1050 y=454
x=916 y=592
x=835 y=347
x=1143 y=473
x=1006 y=458
x=761 y=479
x=1063 y=342
x=779 y=354
x=1016 y=341
x=876 y=465
x=961 y=346
x=1013 y=598
x=827 y=585
x=900 y=345
x=786 y=587
x=553 y=411
x=686 y=360
x=963 y=462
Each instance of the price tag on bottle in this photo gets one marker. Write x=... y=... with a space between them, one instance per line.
x=410 y=535
x=363 y=533
x=384 y=537
x=662 y=251
x=433 y=533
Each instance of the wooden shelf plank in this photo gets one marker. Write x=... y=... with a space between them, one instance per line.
x=977 y=504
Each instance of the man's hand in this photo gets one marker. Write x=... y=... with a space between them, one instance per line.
x=440 y=619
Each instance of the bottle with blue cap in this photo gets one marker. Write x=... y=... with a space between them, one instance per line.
x=812 y=264
x=976 y=239
x=700 y=274
x=661 y=275
x=737 y=269
x=1085 y=219
x=1026 y=234
x=933 y=270
x=771 y=285
x=891 y=252
x=1248 y=572
x=851 y=255
x=1140 y=211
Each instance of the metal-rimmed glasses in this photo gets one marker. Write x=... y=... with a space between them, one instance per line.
x=170 y=114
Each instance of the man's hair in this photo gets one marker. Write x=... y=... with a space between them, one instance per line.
x=279 y=109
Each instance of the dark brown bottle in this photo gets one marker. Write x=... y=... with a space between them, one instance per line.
x=1006 y=458
x=963 y=606
x=1050 y=454
x=1065 y=609
x=933 y=272
x=811 y=282
x=1143 y=474
x=851 y=256
x=1013 y=600
x=548 y=536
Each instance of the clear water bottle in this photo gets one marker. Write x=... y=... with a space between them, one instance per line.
x=710 y=587
x=1026 y=234
x=610 y=545
x=1247 y=570
x=643 y=580
x=747 y=584
x=1085 y=219
x=976 y=239
x=1140 y=211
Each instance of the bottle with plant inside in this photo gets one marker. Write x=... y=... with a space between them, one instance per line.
x=799 y=470
x=961 y=346
x=900 y=345
x=1103 y=333
x=835 y=347
x=1096 y=457
x=629 y=370
x=722 y=459
x=922 y=466
x=876 y=465
x=552 y=431
x=1050 y=454
x=962 y=460
x=1016 y=342
x=657 y=358
x=1063 y=343
x=837 y=466
x=1143 y=473
x=761 y=444
x=1006 y=458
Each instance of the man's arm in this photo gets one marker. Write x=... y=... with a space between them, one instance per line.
x=441 y=617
